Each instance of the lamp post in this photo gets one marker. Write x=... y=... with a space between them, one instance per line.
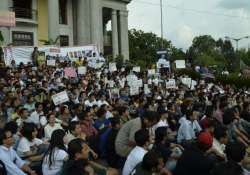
x=237 y=40
x=161 y=25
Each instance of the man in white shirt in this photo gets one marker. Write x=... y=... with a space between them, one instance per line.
x=35 y=116
x=102 y=101
x=23 y=117
x=13 y=163
x=137 y=154
x=91 y=101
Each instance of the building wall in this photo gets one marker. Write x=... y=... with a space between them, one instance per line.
x=42 y=17
x=68 y=29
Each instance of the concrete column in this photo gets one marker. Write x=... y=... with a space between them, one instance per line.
x=53 y=19
x=83 y=22
x=96 y=24
x=124 y=34
x=114 y=34
x=4 y=7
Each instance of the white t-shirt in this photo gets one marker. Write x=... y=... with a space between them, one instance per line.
x=25 y=145
x=48 y=130
x=59 y=156
x=134 y=157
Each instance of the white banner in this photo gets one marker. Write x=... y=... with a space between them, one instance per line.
x=23 y=54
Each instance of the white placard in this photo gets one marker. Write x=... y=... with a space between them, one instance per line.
x=171 y=84
x=193 y=84
x=136 y=69
x=34 y=68
x=180 y=64
x=187 y=81
x=146 y=89
x=82 y=70
x=151 y=71
x=131 y=77
x=112 y=67
x=162 y=63
x=51 y=62
x=60 y=98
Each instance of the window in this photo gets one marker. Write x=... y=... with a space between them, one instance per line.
x=63 y=12
x=22 y=39
x=64 y=40
x=22 y=8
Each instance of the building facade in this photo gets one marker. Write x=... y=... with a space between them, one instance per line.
x=72 y=22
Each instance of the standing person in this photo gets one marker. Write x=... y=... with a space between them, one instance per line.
x=125 y=140
x=137 y=154
x=56 y=154
x=13 y=163
x=34 y=56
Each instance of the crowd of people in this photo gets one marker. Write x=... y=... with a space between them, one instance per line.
x=107 y=128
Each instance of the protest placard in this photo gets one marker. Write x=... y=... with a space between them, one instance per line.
x=60 y=98
x=187 y=81
x=112 y=67
x=151 y=71
x=136 y=69
x=180 y=64
x=171 y=84
x=70 y=72
x=146 y=89
x=134 y=90
x=82 y=70
x=51 y=62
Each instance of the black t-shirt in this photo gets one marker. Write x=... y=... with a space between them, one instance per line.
x=193 y=162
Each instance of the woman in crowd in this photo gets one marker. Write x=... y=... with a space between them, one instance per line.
x=56 y=154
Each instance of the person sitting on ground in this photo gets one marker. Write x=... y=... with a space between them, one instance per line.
x=51 y=126
x=125 y=138
x=13 y=163
x=137 y=154
x=75 y=131
x=56 y=154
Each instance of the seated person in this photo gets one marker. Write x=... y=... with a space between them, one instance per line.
x=13 y=163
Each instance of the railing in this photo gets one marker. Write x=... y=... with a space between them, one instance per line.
x=24 y=13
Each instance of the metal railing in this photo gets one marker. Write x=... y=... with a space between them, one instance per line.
x=24 y=13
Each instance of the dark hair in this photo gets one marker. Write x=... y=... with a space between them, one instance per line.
x=22 y=110
x=121 y=110
x=74 y=146
x=220 y=132
x=2 y=135
x=235 y=151
x=228 y=116
x=27 y=130
x=72 y=125
x=150 y=161
x=101 y=112
x=11 y=126
x=209 y=111
x=38 y=104
x=228 y=168
x=152 y=116
x=141 y=137
x=76 y=167
x=114 y=121
x=160 y=133
x=56 y=141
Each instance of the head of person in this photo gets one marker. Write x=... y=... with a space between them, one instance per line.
x=51 y=117
x=150 y=161
x=235 y=151
x=150 y=118
x=209 y=111
x=142 y=138
x=39 y=107
x=123 y=111
x=12 y=127
x=75 y=128
x=221 y=134
x=115 y=123
x=204 y=141
x=65 y=110
x=228 y=116
x=58 y=140
x=101 y=113
x=78 y=149
x=91 y=97
x=24 y=113
x=6 y=138
x=30 y=99
x=161 y=135
x=29 y=131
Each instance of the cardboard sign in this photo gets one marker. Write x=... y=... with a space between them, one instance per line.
x=136 y=69
x=162 y=63
x=60 y=98
x=70 y=72
x=51 y=62
x=82 y=70
x=180 y=64
x=171 y=84
x=151 y=71
x=112 y=67
x=193 y=84
x=131 y=77
x=134 y=91
x=146 y=89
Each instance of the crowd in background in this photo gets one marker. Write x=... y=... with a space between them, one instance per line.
x=107 y=129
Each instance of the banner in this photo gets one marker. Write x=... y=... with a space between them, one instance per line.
x=23 y=54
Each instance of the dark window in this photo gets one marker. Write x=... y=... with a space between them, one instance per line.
x=63 y=12
x=64 y=40
x=23 y=8
x=22 y=39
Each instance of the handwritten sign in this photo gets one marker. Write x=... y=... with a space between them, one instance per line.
x=70 y=72
x=171 y=84
x=136 y=69
x=60 y=98
x=180 y=64
x=112 y=67
x=51 y=62
x=82 y=70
